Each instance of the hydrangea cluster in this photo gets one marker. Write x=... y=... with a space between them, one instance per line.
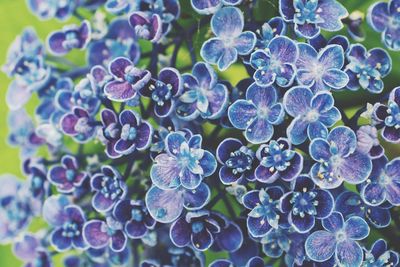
x=152 y=154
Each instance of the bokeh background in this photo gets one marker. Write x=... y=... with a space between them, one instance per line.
x=15 y=16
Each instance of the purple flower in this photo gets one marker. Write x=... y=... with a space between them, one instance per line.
x=382 y=17
x=321 y=70
x=383 y=183
x=109 y=188
x=366 y=69
x=388 y=116
x=128 y=79
x=66 y=177
x=278 y=160
x=237 y=160
x=368 y=142
x=70 y=37
x=163 y=91
x=78 y=124
x=274 y=27
x=312 y=114
x=38 y=183
x=340 y=239
x=135 y=217
x=276 y=64
x=202 y=94
x=337 y=159
x=306 y=203
x=67 y=221
x=185 y=163
x=99 y=234
x=47 y=9
x=257 y=114
x=380 y=255
x=29 y=250
x=196 y=228
x=230 y=41
x=310 y=16
x=252 y=262
x=265 y=213
x=166 y=206
x=111 y=130
x=206 y=7
x=119 y=42
x=145 y=26
x=349 y=204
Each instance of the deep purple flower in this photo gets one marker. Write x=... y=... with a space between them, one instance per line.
x=383 y=17
x=145 y=26
x=109 y=188
x=276 y=64
x=66 y=176
x=383 y=183
x=340 y=239
x=164 y=90
x=185 y=163
x=310 y=16
x=202 y=94
x=337 y=159
x=278 y=160
x=388 y=116
x=128 y=79
x=100 y=234
x=367 y=68
x=237 y=160
x=265 y=213
x=258 y=114
x=70 y=37
x=196 y=228
x=306 y=203
x=135 y=217
x=79 y=125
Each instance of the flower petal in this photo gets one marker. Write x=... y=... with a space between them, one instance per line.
x=320 y=246
x=164 y=205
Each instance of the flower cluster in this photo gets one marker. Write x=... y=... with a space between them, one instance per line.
x=156 y=158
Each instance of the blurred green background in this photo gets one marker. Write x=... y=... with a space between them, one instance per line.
x=14 y=16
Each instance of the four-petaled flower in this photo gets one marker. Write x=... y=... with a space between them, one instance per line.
x=78 y=124
x=380 y=255
x=276 y=63
x=366 y=69
x=257 y=114
x=306 y=203
x=145 y=26
x=340 y=239
x=227 y=24
x=278 y=160
x=338 y=160
x=312 y=114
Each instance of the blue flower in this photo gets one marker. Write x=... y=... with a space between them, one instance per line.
x=118 y=7
x=252 y=262
x=28 y=249
x=100 y=234
x=164 y=90
x=237 y=160
x=310 y=16
x=321 y=70
x=278 y=160
x=388 y=117
x=349 y=204
x=312 y=114
x=368 y=142
x=276 y=63
x=338 y=160
x=274 y=27
x=257 y=114
x=70 y=37
x=146 y=27
x=340 y=239
x=383 y=183
x=265 y=213
x=66 y=176
x=109 y=188
x=206 y=7
x=383 y=18
x=48 y=9
x=67 y=221
x=305 y=203
x=202 y=94
x=366 y=69
x=166 y=206
x=185 y=163
x=379 y=255
x=128 y=79
x=135 y=217
x=227 y=24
